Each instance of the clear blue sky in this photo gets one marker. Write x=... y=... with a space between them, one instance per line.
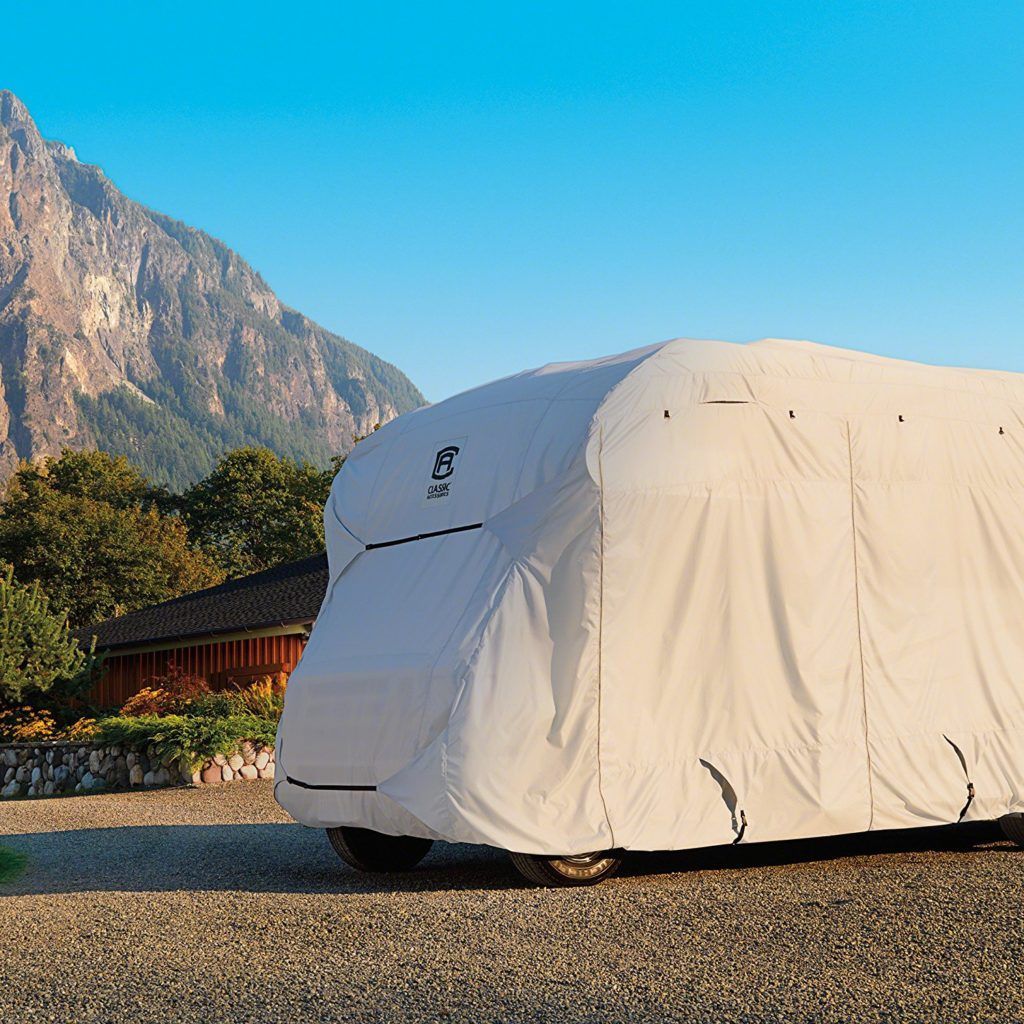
x=472 y=189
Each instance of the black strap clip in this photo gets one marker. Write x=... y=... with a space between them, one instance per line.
x=743 y=827
x=970 y=800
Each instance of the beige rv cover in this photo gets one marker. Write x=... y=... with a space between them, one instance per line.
x=639 y=601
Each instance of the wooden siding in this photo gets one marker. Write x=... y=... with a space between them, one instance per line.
x=221 y=664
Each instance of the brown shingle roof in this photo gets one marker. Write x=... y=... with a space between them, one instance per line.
x=284 y=595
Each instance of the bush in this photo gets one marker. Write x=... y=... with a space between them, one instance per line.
x=179 y=694
x=82 y=731
x=150 y=700
x=219 y=704
x=31 y=725
x=263 y=698
x=26 y=725
x=186 y=738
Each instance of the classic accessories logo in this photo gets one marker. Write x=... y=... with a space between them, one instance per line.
x=444 y=462
x=442 y=481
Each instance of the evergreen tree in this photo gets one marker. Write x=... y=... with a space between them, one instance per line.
x=37 y=650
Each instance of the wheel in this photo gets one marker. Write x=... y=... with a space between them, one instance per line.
x=584 y=869
x=371 y=851
x=1013 y=827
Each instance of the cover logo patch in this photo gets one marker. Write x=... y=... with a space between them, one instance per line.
x=446 y=459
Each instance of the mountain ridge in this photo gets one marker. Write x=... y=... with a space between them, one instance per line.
x=124 y=328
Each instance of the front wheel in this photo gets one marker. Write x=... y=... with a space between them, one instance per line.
x=371 y=851
x=584 y=869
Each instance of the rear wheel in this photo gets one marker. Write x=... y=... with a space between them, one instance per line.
x=584 y=869
x=371 y=851
x=1013 y=827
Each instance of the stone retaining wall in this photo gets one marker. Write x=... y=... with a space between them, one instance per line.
x=52 y=768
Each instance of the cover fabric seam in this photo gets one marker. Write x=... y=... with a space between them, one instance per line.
x=860 y=629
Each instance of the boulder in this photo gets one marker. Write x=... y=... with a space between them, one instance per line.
x=220 y=759
x=135 y=775
x=61 y=774
x=11 y=758
x=23 y=774
x=268 y=772
x=248 y=752
x=235 y=762
x=262 y=760
x=249 y=772
x=131 y=759
x=95 y=760
x=226 y=773
x=12 y=789
x=149 y=779
x=37 y=775
x=212 y=773
x=48 y=789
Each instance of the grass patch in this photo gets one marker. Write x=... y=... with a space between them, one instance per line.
x=11 y=864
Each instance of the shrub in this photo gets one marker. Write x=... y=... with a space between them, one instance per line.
x=185 y=738
x=150 y=700
x=29 y=725
x=169 y=694
x=214 y=705
x=83 y=731
x=264 y=697
x=26 y=725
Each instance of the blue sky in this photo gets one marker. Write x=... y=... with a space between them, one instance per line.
x=470 y=189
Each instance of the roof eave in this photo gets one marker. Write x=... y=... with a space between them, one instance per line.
x=273 y=627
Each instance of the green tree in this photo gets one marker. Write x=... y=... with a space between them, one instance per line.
x=37 y=650
x=93 y=532
x=111 y=479
x=256 y=510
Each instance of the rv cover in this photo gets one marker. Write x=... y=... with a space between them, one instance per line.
x=696 y=592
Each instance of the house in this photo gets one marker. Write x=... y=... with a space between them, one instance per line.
x=232 y=633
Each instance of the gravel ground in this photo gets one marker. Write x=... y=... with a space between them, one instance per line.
x=209 y=906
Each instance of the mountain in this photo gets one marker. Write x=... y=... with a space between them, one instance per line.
x=125 y=329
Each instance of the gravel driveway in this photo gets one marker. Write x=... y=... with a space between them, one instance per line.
x=207 y=905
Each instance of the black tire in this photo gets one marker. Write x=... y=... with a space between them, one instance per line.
x=1013 y=827
x=371 y=851
x=552 y=872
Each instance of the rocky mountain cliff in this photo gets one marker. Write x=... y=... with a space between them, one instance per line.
x=127 y=330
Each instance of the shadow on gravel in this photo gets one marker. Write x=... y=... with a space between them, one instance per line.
x=973 y=837
x=285 y=858
x=240 y=858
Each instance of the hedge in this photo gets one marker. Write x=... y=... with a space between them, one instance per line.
x=186 y=738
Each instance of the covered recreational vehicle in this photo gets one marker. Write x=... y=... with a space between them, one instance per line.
x=696 y=594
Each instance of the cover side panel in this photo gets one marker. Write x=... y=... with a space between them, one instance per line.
x=731 y=664
x=941 y=553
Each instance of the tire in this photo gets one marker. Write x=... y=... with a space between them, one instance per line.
x=1013 y=827
x=371 y=851
x=554 y=872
